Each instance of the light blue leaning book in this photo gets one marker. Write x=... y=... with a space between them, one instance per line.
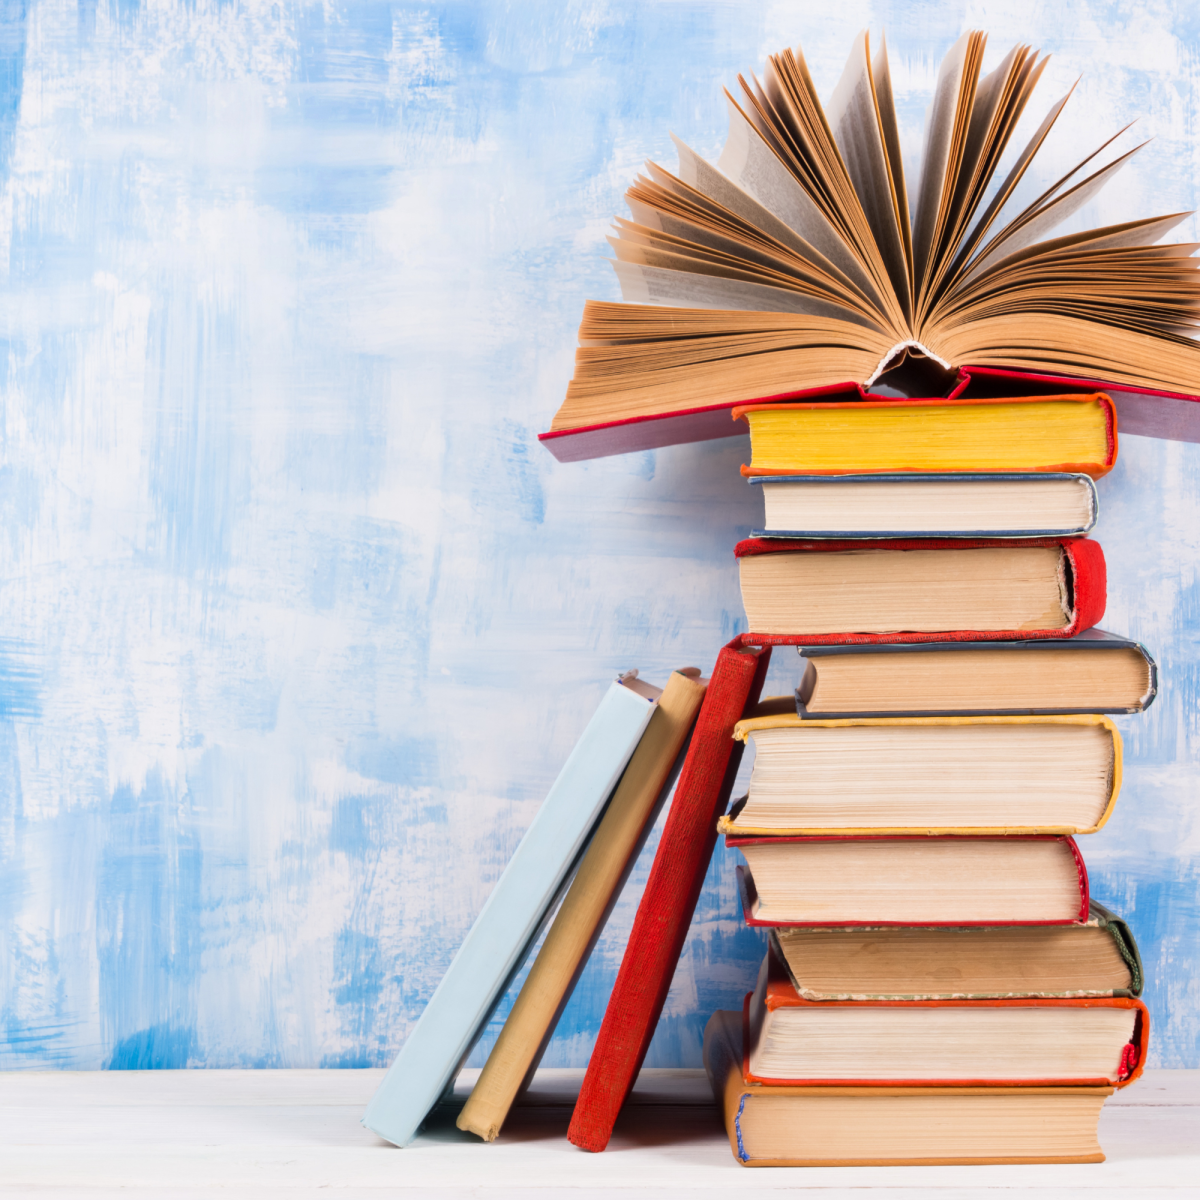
x=513 y=915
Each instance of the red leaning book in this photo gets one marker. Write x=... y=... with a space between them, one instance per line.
x=952 y=590
x=1169 y=415
x=667 y=905
x=1011 y=1042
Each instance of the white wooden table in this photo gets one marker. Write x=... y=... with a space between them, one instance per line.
x=297 y=1134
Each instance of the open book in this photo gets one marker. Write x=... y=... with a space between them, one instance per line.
x=793 y=265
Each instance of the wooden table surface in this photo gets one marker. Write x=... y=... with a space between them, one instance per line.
x=297 y=1134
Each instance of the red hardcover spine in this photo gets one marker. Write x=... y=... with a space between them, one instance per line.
x=667 y=905
x=1089 y=583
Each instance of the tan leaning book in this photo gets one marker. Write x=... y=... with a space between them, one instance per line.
x=580 y=920
x=784 y=1126
x=792 y=263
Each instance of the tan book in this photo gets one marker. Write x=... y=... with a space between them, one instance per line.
x=580 y=920
x=772 y=1126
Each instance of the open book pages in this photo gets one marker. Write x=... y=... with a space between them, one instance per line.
x=803 y=259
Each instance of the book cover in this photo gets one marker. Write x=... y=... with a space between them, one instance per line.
x=584 y=911
x=669 y=900
x=1074 y=434
x=1089 y=643
x=952 y=916
x=1086 y=585
x=810 y=1126
x=951 y=525
x=506 y=928
x=775 y=991
x=1096 y=957
x=887 y=764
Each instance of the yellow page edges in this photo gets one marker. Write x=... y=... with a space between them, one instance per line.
x=1030 y=435
x=792 y=721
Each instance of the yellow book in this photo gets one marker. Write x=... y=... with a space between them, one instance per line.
x=969 y=776
x=1047 y=433
x=579 y=921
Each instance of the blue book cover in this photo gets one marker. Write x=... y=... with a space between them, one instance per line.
x=508 y=925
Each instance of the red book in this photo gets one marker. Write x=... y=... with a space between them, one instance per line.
x=777 y=602
x=1169 y=415
x=667 y=905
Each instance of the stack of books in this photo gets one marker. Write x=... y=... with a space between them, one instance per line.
x=939 y=984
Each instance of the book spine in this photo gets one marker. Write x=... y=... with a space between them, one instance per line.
x=1089 y=575
x=667 y=905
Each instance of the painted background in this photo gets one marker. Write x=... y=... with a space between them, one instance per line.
x=297 y=621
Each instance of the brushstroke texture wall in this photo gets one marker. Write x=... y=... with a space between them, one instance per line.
x=297 y=621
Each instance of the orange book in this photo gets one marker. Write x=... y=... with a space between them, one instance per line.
x=1098 y=1042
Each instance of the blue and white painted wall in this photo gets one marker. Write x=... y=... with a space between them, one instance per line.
x=297 y=621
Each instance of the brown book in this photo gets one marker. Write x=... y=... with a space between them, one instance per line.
x=1093 y=672
x=1095 y=958
x=868 y=1126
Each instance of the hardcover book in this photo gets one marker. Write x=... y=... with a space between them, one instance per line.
x=929 y=775
x=669 y=900
x=1099 y=1041
x=794 y=263
x=916 y=590
x=1093 y=672
x=511 y=919
x=997 y=504
x=1028 y=433
x=828 y=881
x=1096 y=957
x=774 y=1126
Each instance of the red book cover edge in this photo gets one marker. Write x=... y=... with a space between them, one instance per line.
x=1089 y=578
x=669 y=900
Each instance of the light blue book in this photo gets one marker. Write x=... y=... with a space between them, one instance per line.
x=504 y=932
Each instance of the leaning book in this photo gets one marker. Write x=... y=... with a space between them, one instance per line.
x=511 y=919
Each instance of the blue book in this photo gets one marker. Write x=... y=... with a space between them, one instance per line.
x=508 y=925
x=994 y=505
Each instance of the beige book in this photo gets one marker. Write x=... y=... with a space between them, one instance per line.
x=597 y=884
x=773 y=1126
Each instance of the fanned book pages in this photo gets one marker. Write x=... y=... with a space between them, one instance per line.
x=803 y=262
